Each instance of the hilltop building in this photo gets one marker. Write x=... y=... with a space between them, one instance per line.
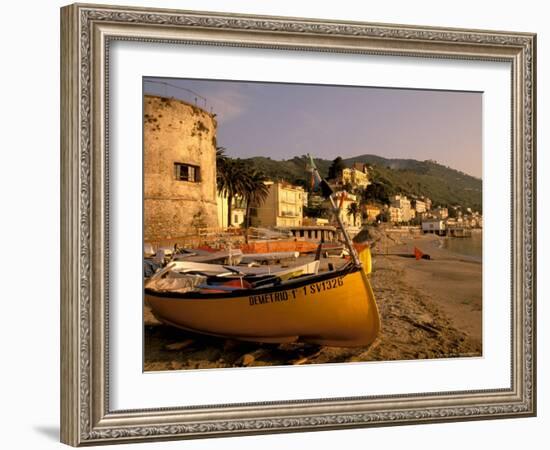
x=179 y=165
x=283 y=206
x=356 y=176
x=402 y=203
x=419 y=206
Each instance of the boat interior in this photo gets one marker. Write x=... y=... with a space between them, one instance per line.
x=216 y=286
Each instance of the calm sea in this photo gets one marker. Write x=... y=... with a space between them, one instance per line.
x=471 y=246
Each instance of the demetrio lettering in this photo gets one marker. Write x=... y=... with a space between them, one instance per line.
x=272 y=297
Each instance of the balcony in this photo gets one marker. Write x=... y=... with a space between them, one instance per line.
x=289 y=214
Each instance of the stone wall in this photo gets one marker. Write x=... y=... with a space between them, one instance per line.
x=177 y=132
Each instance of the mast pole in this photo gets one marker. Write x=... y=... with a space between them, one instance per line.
x=347 y=239
x=336 y=211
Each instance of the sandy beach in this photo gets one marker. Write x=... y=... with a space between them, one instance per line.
x=429 y=308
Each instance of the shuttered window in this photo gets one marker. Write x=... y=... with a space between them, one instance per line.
x=187 y=172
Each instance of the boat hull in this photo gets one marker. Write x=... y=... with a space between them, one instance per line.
x=336 y=309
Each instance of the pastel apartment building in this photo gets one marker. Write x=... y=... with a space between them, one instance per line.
x=402 y=203
x=283 y=206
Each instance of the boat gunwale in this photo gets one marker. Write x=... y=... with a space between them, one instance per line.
x=291 y=284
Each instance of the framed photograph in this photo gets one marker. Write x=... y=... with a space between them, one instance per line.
x=276 y=224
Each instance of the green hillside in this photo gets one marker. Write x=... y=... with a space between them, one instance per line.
x=444 y=185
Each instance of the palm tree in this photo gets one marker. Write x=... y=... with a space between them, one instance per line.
x=235 y=179
x=230 y=179
x=256 y=191
x=353 y=210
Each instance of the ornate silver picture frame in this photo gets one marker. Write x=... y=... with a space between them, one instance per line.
x=87 y=33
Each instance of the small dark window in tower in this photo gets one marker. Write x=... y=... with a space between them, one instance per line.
x=187 y=172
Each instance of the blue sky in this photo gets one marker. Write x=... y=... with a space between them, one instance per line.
x=285 y=120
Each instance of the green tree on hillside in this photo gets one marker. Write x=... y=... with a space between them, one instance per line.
x=421 y=178
x=378 y=192
x=336 y=168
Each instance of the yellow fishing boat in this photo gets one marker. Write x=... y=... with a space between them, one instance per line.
x=335 y=308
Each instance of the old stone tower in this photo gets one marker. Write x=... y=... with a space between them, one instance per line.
x=179 y=168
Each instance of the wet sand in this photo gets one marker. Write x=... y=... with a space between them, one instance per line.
x=429 y=309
